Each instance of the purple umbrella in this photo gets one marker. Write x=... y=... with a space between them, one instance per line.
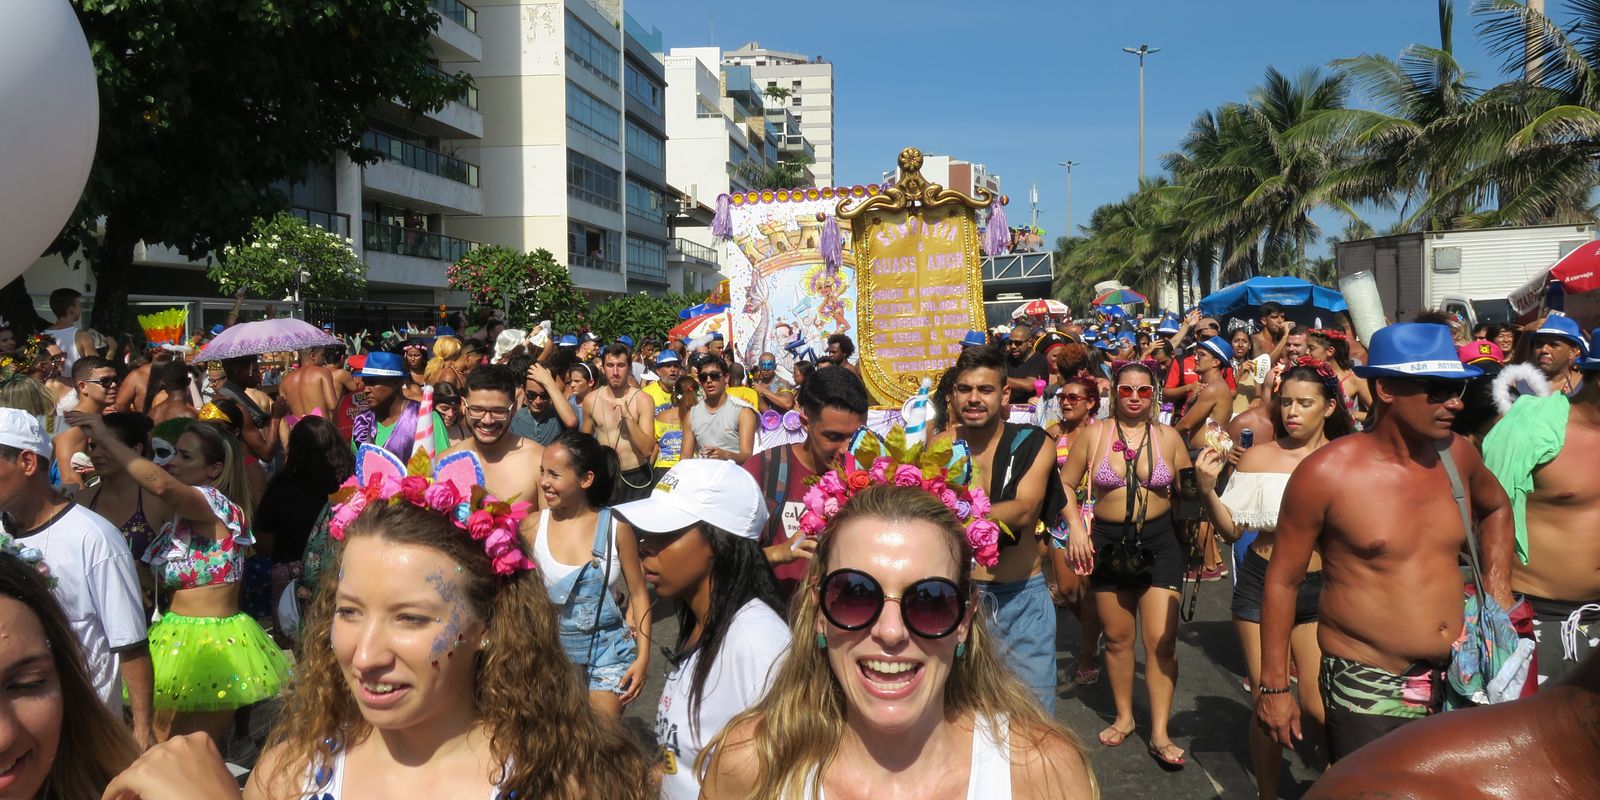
x=264 y=336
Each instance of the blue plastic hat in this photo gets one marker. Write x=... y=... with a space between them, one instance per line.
x=217 y=329
x=626 y=339
x=382 y=364
x=444 y=330
x=1592 y=361
x=1415 y=350
x=1169 y=324
x=666 y=357
x=1218 y=347
x=568 y=340
x=974 y=339
x=1563 y=327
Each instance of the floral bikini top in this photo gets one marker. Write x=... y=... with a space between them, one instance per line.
x=183 y=559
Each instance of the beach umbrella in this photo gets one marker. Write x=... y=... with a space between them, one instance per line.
x=698 y=326
x=1302 y=301
x=1041 y=308
x=284 y=335
x=702 y=310
x=1117 y=297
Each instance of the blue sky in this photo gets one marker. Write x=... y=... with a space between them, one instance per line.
x=1019 y=86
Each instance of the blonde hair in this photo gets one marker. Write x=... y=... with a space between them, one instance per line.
x=219 y=447
x=796 y=727
x=544 y=738
x=445 y=350
x=22 y=391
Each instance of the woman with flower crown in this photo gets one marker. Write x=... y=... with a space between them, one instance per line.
x=431 y=666
x=893 y=679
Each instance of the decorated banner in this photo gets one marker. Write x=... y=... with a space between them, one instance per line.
x=780 y=288
x=920 y=278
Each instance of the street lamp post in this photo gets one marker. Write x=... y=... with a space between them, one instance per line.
x=1141 y=51
x=1069 y=165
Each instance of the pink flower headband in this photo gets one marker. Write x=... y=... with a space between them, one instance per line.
x=941 y=469
x=454 y=490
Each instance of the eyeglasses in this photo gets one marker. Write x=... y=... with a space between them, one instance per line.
x=479 y=412
x=1443 y=391
x=1145 y=392
x=710 y=376
x=931 y=608
x=104 y=383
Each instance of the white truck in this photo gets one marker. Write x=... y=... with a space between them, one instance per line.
x=1469 y=272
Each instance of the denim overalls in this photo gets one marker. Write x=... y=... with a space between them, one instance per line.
x=593 y=632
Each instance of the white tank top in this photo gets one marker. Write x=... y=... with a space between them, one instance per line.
x=554 y=571
x=333 y=787
x=991 y=765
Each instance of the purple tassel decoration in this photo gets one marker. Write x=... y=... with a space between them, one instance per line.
x=832 y=244
x=997 y=236
x=722 y=223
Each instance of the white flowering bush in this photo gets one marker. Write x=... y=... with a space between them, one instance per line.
x=265 y=263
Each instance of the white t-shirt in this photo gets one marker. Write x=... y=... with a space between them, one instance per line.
x=97 y=587
x=756 y=639
x=66 y=339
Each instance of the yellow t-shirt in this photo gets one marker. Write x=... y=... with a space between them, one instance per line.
x=660 y=398
x=669 y=437
x=746 y=394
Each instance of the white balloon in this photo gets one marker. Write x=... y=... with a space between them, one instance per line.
x=49 y=123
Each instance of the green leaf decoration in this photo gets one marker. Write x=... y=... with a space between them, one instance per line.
x=868 y=451
x=937 y=453
x=897 y=444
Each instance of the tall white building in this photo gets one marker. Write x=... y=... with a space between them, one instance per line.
x=809 y=82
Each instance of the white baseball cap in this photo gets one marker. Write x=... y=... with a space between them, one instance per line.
x=22 y=430
x=716 y=492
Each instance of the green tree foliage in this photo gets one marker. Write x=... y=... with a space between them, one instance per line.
x=530 y=287
x=205 y=106
x=641 y=316
x=790 y=173
x=285 y=256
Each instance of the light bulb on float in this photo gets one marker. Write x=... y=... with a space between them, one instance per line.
x=49 y=124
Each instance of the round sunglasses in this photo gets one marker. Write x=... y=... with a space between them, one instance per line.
x=1145 y=391
x=931 y=608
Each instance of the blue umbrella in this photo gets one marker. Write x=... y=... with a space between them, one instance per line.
x=702 y=310
x=1299 y=299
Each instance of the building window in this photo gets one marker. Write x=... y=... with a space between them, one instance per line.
x=796 y=100
x=647 y=146
x=644 y=90
x=794 y=85
x=798 y=120
x=590 y=50
x=591 y=116
x=593 y=182
x=593 y=247
x=772 y=84
x=646 y=202
x=647 y=260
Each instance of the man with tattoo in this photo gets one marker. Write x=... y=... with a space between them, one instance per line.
x=1380 y=507
x=510 y=462
x=1544 y=746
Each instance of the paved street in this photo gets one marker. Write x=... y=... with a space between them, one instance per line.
x=1208 y=720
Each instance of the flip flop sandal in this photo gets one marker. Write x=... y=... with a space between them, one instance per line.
x=1171 y=764
x=1120 y=736
x=1087 y=676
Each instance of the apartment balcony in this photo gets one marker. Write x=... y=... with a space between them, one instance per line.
x=650 y=275
x=457 y=119
x=456 y=38
x=331 y=221
x=795 y=144
x=411 y=175
x=683 y=250
x=410 y=257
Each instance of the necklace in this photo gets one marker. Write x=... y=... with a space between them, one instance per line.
x=1128 y=451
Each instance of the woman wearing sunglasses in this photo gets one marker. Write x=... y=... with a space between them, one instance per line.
x=1132 y=551
x=893 y=680
x=1307 y=415
x=698 y=542
x=1079 y=398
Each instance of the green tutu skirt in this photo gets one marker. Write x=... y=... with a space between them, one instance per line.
x=214 y=663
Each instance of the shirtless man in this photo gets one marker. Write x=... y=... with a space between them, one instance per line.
x=1017 y=478
x=135 y=392
x=171 y=381
x=1380 y=506
x=510 y=462
x=1558 y=536
x=310 y=386
x=1214 y=401
x=622 y=417
x=1273 y=337
x=1542 y=746
x=95 y=378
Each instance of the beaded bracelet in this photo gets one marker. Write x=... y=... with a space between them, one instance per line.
x=1284 y=690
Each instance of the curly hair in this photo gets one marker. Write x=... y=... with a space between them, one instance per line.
x=796 y=727
x=528 y=697
x=445 y=350
x=1091 y=387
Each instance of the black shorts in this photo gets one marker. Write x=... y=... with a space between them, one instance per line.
x=635 y=484
x=1247 y=593
x=1159 y=538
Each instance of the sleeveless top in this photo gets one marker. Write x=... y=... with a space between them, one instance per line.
x=991 y=765
x=554 y=571
x=136 y=530
x=182 y=559
x=669 y=437
x=1254 y=498
x=720 y=428
x=328 y=782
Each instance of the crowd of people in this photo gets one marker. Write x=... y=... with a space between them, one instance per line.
x=529 y=503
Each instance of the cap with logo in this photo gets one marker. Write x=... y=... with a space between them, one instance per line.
x=1480 y=352
x=718 y=493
